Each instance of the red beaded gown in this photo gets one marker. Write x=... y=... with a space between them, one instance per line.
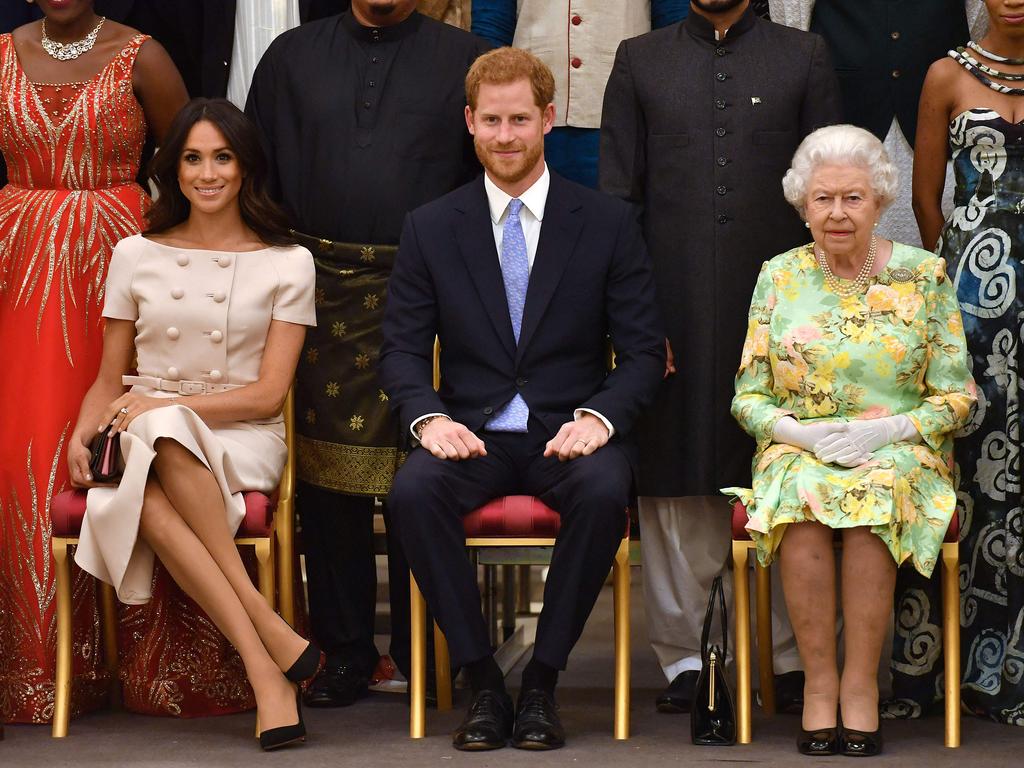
x=72 y=152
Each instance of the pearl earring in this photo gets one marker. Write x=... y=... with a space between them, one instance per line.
x=807 y=224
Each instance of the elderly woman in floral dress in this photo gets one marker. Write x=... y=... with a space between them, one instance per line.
x=852 y=380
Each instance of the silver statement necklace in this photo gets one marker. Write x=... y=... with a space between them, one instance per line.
x=72 y=50
x=851 y=287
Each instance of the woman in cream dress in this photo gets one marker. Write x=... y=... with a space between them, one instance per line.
x=213 y=304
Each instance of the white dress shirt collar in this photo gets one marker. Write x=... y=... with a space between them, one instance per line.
x=534 y=199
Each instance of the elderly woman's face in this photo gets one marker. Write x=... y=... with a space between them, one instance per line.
x=842 y=209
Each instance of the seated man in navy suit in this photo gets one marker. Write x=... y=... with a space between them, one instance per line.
x=525 y=278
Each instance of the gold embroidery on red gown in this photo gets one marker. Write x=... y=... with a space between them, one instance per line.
x=72 y=153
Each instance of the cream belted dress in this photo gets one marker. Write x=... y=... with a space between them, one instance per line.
x=200 y=316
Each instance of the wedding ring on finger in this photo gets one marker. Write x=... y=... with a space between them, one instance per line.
x=124 y=411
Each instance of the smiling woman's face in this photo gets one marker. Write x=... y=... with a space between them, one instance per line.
x=209 y=174
x=842 y=209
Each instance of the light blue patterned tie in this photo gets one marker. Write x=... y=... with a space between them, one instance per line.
x=515 y=271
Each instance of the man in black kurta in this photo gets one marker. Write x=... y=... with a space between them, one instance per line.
x=700 y=123
x=363 y=124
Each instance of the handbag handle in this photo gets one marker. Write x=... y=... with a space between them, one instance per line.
x=717 y=595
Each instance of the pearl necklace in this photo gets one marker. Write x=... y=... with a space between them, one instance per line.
x=74 y=49
x=859 y=283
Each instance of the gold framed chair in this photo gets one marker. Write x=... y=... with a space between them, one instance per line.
x=268 y=527
x=517 y=524
x=742 y=545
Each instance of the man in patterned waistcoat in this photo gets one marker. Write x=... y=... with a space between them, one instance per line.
x=363 y=116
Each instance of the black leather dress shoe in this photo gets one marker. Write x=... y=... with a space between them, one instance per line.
x=537 y=723
x=820 y=743
x=337 y=686
x=789 y=693
x=488 y=723
x=678 y=697
x=861 y=743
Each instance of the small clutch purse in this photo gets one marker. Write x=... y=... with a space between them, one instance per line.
x=713 y=716
x=105 y=464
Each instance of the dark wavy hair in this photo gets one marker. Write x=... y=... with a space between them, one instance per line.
x=259 y=212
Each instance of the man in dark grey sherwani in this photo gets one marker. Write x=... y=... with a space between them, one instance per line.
x=699 y=125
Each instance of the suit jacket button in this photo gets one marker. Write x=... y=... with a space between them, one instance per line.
x=488 y=411
x=520 y=382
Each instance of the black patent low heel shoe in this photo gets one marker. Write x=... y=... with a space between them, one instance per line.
x=275 y=738
x=305 y=666
x=821 y=743
x=861 y=743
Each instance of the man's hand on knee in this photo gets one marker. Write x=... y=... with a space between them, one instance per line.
x=578 y=438
x=448 y=439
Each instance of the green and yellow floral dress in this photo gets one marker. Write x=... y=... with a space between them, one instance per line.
x=896 y=349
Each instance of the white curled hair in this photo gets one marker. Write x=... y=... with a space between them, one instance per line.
x=840 y=145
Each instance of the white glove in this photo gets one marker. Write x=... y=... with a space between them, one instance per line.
x=791 y=432
x=863 y=437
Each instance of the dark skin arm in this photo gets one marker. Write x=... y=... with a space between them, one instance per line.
x=931 y=149
x=158 y=87
x=155 y=79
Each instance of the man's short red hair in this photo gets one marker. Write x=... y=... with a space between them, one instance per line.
x=507 y=65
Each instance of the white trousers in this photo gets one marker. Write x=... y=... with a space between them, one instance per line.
x=686 y=542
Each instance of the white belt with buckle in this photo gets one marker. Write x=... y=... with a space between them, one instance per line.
x=181 y=387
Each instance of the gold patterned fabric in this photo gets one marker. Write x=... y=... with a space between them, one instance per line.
x=72 y=153
x=347 y=438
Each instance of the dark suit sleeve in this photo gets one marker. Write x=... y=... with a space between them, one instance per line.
x=665 y=12
x=635 y=329
x=623 y=159
x=495 y=20
x=822 y=99
x=260 y=107
x=406 y=369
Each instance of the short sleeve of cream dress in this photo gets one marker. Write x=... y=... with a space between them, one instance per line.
x=199 y=316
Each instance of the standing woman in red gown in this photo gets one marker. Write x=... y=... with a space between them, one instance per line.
x=77 y=94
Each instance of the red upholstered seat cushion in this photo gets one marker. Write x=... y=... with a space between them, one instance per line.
x=740 y=533
x=68 y=510
x=513 y=516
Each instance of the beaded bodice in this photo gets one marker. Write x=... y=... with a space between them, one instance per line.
x=988 y=160
x=76 y=136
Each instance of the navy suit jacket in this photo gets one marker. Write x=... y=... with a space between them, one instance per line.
x=591 y=283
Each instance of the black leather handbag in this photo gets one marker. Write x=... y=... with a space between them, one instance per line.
x=713 y=715
x=105 y=462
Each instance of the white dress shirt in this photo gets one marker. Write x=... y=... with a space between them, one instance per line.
x=531 y=216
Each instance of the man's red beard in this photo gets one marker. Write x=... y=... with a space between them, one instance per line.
x=507 y=171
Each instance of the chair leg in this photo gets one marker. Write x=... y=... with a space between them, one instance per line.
x=418 y=673
x=265 y=569
x=951 y=639
x=442 y=670
x=765 y=652
x=108 y=611
x=62 y=687
x=620 y=590
x=741 y=602
x=285 y=566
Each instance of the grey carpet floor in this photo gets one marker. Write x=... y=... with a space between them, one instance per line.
x=375 y=731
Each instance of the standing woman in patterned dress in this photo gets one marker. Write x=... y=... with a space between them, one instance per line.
x=77 y=94
x=974 y=99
